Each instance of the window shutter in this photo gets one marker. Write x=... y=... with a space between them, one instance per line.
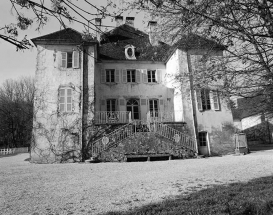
x=199 y=100
x=76 y=59
x=124 y=76
x=116 y=103
x=216 y=103
x=121 y=102
x=63 y=59
x=102 y=105
x=161 y=104
x=102 y=75
x=143 y=101
x=68 y=100
x=144 y=76
x=158 y=75
x=138 y=74
x=117 y=71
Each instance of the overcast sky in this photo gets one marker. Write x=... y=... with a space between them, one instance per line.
x=22 y=63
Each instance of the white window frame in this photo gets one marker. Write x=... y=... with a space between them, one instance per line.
x=152 y=109
x=202 y=137
x=75 y=60
x=152 y=73
x=110 y=103
x=65 y=99
x=112 y=74
x=130 y=78
x=207 y=100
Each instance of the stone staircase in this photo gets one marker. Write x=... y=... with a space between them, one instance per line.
x=126 y=134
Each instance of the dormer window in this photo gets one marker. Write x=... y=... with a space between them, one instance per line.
x=130 y=52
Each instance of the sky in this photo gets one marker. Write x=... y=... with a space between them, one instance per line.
x=22 y=63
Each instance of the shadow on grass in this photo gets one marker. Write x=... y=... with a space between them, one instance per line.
x=12 y=155
x=261 y=147
x=254 y=197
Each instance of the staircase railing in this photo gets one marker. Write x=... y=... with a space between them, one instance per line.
x=173 y=135
x=114 y=138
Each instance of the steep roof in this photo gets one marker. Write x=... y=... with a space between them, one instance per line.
x=114 y=41
x=194 y=41
x=113 y=45
x=65 y=36
x=144 y=50
x=122 y=32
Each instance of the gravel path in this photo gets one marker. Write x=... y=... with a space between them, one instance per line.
x=27 y=188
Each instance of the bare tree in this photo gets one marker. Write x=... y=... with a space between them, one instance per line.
x=244 y=27
x=29 y=12
x=16 y=112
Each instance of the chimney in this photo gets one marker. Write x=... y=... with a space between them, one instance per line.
x=152 y=25
x=119 y=20
x=130 y=21
x=98 y=28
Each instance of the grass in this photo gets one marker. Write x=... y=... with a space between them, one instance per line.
x=254 y=197
x=8 y=155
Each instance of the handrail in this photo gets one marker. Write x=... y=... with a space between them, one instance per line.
x=114 y=138
x=174 y=135
x=112 y=117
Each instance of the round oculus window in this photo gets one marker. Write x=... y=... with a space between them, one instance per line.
x=130 y=52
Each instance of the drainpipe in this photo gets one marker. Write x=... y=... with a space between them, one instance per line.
x=85 y=98
x=193 y=102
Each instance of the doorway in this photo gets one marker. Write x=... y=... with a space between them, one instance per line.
x=132 y=105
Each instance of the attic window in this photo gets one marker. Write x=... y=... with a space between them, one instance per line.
x=130 y=52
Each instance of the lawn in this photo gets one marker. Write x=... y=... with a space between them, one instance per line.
x=254 y=197
x=216 y=185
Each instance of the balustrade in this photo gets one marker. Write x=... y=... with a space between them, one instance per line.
x=119 y=117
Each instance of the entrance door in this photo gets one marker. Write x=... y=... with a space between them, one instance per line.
x=203 y=147
x=133 y=106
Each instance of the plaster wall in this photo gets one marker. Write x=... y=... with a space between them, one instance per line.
x=218 y=124
x=172 y=74
x=138 y=91
x=55 y=132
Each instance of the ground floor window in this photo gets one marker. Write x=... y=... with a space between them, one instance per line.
x=111 y=105
x=153 y=106
x=203 y=138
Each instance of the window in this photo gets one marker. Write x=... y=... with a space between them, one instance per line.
x=151 y=76
x=110 y=75
x=207 y=100
x=153 y=105
x=205 y=97
x=65 y=100
x=133 y=107
x=202 y=138
x=70 y=59
x=131 y=75
x=111 y=105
